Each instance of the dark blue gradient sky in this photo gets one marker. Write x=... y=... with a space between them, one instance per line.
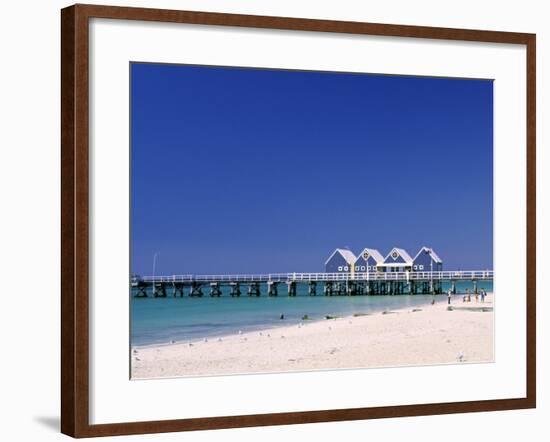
x=249 y=170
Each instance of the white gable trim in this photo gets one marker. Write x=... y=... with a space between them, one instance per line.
x=343 y=255
x=400 y=252
x=373 y=253
x=433 y=255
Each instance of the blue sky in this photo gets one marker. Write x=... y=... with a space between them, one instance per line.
x=252 y=170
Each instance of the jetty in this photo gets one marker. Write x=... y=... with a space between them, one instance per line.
x=329 y=284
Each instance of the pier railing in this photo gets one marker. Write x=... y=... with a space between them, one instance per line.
x=449 y=275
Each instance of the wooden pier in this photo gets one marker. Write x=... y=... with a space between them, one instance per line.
x=333 y=284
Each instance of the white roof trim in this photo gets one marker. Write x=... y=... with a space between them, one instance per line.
x=374 y=253
x=346 y=254
x=434 y=255
x=402 y=253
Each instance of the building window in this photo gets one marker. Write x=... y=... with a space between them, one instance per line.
x=339 y=268
x=421 y=267
x=368 y=268
x=346 y=268
x=415 y=267
x=362 y=268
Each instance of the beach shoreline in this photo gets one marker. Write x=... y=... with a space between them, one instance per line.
x=424 y=335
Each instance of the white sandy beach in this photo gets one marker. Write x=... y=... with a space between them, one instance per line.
x=432 y=335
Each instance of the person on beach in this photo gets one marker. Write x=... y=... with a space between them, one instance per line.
x=468 y=296
x=449 y=295
x=483 y=294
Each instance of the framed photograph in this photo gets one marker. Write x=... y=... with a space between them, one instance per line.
x=273 y=221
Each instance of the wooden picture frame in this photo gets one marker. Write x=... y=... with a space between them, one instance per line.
x=75 y=246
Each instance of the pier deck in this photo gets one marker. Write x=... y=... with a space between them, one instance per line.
x=333 y=283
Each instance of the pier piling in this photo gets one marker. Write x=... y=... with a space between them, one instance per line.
x=375 y=283
x=369 y=288
x=177 y=288
x=141 y=290
x=159 y=291
x=291 y=288
x=351 y=288
x=196 y=290
x=235 y=289
x=254 y=289
x=215 y=289
x=272 y=288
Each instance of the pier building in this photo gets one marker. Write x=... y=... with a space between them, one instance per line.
x=427 y=260
x=368 y=261
x=345 y=274
x=341 y=261
x=398 y=260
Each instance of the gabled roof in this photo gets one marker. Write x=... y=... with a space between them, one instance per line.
x=346 y=254
x=433 y=255
x=374 y=253
x=401 y=253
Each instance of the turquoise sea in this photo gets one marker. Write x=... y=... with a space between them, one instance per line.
x=162 y=320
